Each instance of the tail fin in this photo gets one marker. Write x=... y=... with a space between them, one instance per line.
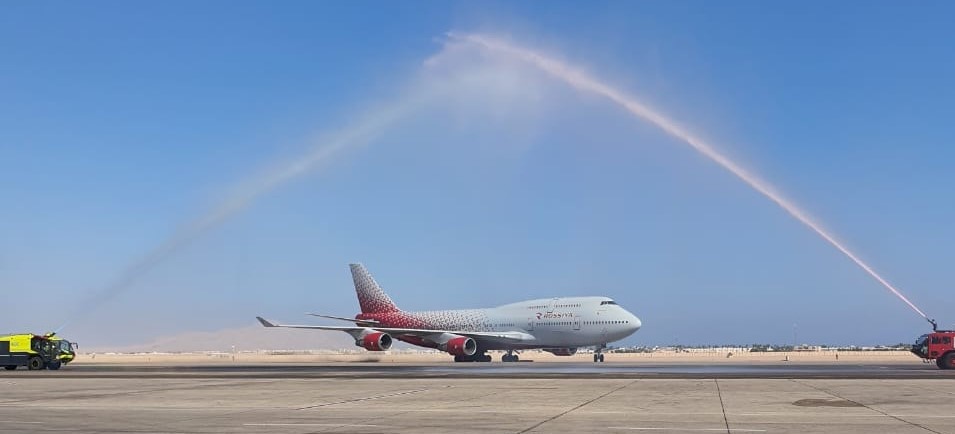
x=370 y=296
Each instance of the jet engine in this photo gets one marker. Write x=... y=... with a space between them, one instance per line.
x=376 y=341
x=561 y=351
x=460 y=346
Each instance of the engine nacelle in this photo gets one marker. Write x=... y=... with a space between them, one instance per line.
x=561 y=351
x=460 y=346
x=377 y=341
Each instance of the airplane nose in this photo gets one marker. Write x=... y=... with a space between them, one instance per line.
x=635 y=323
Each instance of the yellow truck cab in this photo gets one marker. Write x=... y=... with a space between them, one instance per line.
x=35 y=351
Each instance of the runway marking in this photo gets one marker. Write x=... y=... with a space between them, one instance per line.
x=722 y=406
x=458 y=410
x=456 y=404
x=633 y=428
x=695 y=413
x=367 y=398
x=839 y=415
x=577 y=407
x=655 y=413
x=339 y=425
x=898 y=418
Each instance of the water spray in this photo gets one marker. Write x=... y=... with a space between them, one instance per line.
x=360 y=132
x=367 y=127
x=582 y=81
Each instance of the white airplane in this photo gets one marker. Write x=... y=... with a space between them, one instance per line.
x=556 y=325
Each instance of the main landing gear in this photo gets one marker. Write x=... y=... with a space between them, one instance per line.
x=598 y=354
x=477 y=357
x=510 y=357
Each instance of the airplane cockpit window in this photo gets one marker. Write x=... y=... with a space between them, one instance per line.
x=606 y=302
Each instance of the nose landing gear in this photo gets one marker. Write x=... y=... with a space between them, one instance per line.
x=598 y=354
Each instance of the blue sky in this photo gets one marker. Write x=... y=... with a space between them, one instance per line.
x=120 y=124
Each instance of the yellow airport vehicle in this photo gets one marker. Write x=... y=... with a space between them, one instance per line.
x=35 y=351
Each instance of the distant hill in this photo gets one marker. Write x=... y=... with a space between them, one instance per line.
x=244 y=339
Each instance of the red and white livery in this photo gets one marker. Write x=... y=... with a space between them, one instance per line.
x=559 y=325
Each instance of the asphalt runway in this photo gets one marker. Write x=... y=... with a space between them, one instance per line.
x=479 y=398
x=527 y=370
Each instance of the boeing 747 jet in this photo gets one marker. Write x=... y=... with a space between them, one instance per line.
x=556 y=325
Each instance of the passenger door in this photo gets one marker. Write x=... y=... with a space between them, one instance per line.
x=551 y=305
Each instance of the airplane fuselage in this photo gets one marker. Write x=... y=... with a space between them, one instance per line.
x=565 y=322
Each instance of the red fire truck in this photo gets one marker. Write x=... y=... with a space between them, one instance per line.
x=938 y=345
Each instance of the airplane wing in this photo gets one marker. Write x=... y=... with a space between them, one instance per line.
x=354 y=320
x=267 y=323
x=509 y=337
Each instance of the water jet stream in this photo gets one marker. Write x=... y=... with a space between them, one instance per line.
x=580 y=80
x=359 y=132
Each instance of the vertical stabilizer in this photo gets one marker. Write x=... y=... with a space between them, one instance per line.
x=370 y=296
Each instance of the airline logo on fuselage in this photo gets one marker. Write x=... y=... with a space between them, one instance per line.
x=549 y=315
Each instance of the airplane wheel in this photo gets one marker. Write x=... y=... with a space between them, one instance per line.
x=601 y=358
x=596 y=358
x=486 y=358
x=515 y=358
x=54 y=365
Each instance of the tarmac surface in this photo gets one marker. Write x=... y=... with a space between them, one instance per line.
x=580 y=370
x=486 y=398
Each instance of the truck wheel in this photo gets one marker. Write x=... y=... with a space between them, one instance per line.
x=35 y=363
x=948 y=361
x=10 y=367
x=54 y=365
